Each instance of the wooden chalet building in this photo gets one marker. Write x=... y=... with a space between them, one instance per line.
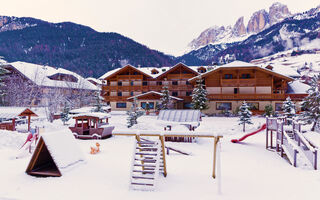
x=227 y=85
x=231 y=84
x=128 y=81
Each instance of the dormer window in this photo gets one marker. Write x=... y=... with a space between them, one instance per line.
x=63 y=77
x=154 y=71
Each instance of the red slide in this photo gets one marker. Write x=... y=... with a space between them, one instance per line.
x=249 y=134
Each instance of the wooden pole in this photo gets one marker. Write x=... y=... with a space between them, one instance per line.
x=216 y=140
x=29 y=121
x=164 y=156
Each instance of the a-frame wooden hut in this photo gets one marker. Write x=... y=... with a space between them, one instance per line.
x=55 y=154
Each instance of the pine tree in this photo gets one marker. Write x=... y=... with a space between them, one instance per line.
x=289 y=109
x=98 y=105
x=311 y=103
x=133 y=114
x=268 y=110
x=199 y=96
x=65 y=114
x=244 y=115
x=165 y=99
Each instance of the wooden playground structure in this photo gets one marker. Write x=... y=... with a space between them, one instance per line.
x=150 y=156
x=290 y=142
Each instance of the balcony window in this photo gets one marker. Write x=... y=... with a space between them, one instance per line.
x=131 y=93
x=119 y=83
x=119 y=94
x=135 y=73
x=131 y=83
x=144 y=83
x=159 y=82
x=188 y=94
x=174 y=82
x=223 y=106
x=245 y=76
x=187 y=105
x=228 y=76
x=121 y=105
x=187 y=83
x=175 y=94
x=235 y=91
x=278 y=107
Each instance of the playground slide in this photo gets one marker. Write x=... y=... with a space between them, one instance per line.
x=249 y=134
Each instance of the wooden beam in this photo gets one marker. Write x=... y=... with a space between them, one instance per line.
x=216 y=140
x=164 y=155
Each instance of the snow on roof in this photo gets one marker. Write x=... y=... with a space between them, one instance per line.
x=94 y=80
x=99 y=115
x=153 y=92
x=63 y=148
x=11 y=112
x=285 y=70
x=87 y=109
x=297 y=87
x=39 y=74
x=238 y=63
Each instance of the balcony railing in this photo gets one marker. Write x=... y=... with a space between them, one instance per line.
x=145 y=88
x=247 y=96
x=246 y=82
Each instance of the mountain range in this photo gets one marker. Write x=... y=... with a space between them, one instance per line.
x=88 y=52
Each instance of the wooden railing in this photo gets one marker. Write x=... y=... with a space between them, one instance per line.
x=146 y=88
x=245 y=82
x=247 y=96
x=129 y=77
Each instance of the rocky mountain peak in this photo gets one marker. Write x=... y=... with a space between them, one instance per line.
x=239 y=29
x=278 y=12
x=258 y=21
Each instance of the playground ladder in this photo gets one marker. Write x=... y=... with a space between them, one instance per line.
x=147 y=162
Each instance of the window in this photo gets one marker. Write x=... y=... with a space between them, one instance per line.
x=278 y=107
x=119 y=83
x=223 y=106
x=159 y=82
x=174 y=82
x=175 y=94
x=187 y=105
x=235 y=91
x=188 y=94
x=245 y=76
x=135 y=73
x=187 y=83
x=144 y=83
x=131 y=93
x=228 y=76
x=253 y=105
x=119 y=94
x=144 y=104
x=131 y=83
x=121 y=105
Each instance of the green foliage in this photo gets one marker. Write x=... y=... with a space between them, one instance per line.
x=244 y=115
x=75 y=47
x=311 y=103
x=65 y=114
x=165 y=103
x=133 y=114
x=199 y=96
x=268 y=110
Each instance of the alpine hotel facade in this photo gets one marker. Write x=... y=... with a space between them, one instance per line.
x=227 y=86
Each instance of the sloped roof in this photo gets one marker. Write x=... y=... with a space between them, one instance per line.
x=13 y=112
x=297 y=87
x=153 y=92
x=241 y=64
x=39 y=75
x=99 y=115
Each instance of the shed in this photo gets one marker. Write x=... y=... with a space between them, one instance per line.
x=10 y=114
x=55 y=154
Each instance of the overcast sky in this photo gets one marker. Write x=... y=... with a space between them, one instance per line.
x=165 y=25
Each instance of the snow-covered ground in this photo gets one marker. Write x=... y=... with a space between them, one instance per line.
x=249 y=171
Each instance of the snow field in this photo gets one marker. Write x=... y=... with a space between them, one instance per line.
x=249 y=171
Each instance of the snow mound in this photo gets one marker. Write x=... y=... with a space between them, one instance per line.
x=11 y=139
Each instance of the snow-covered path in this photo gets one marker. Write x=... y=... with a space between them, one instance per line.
x=249 y=171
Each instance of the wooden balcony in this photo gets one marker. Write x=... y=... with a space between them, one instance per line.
x=251 y=82
x=247 y=96
x=129 y=77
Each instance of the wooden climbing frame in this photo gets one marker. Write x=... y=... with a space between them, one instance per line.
x=162 y=136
